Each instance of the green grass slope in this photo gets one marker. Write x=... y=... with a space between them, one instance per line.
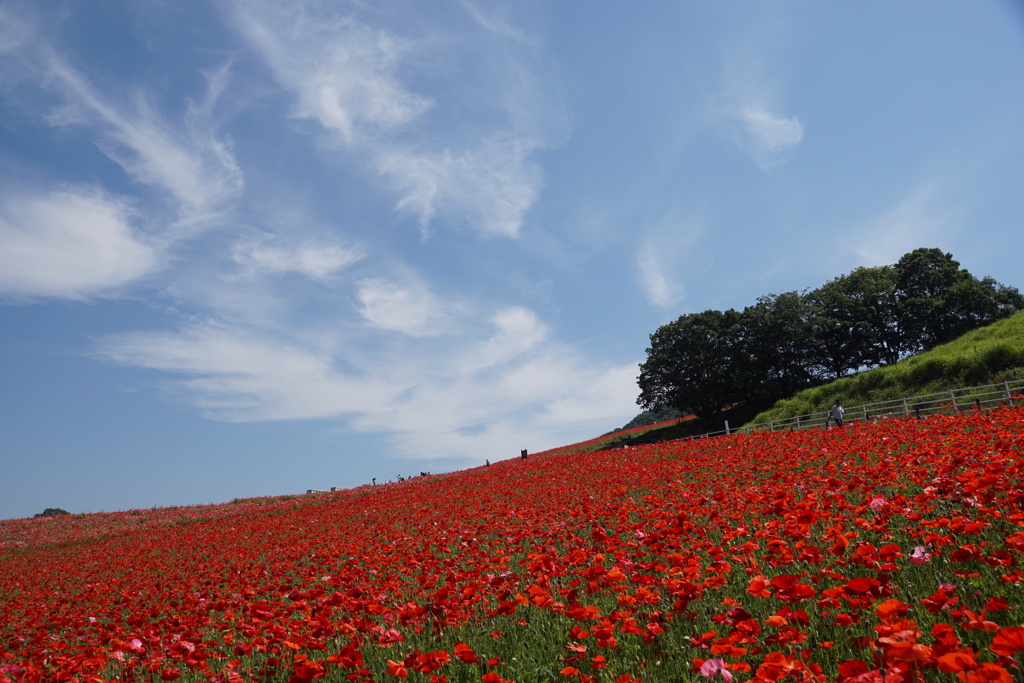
x=984 y=356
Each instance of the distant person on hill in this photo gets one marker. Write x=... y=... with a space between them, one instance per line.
x=836 y=414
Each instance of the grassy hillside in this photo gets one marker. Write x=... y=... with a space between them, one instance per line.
x=985 y=356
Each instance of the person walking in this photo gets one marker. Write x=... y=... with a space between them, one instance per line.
x=836 y=414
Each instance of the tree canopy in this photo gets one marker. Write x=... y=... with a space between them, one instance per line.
x=51 y=512
x=704 y=362
x=691 y=362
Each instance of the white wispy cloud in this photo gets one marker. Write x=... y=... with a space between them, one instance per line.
x=239 y=374
x=770 y=136
x=342 y=72
x=397 y=100
x=185 y=157
x=665 y=259
x=608 y=391
x=316 y=260
x=489 y=187
x=661 y=290
x=400 y=307
x=548 y=402
x=923 y=217
x=188 y=160
x=73 y=243
x=425 y=395
x=749 y=106
x=516 y=330
x=546 y=397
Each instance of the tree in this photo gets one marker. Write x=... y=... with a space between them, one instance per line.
x=929 y=285
x=855 y=322
x=692 y=364
x=51 y=512
x=940 y=301
x=1001 y=301
x=777 y=339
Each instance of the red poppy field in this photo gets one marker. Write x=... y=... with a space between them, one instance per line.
x=888 y=551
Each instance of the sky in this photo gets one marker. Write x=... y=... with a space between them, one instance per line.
x=251 y=248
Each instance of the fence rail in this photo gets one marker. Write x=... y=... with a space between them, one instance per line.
x=985 y=396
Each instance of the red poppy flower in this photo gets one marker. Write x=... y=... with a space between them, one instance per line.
x=1008 y=641
x=986 y=673
x=397 y=669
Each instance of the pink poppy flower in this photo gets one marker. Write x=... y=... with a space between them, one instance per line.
x=919 y=556
x=715 y=666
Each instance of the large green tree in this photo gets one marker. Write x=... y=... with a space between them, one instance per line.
x=777 y=344
x=939 y=300
x=692 y=364
x=856 y=322
x=925 y=283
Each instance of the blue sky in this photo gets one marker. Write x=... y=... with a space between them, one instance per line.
x=249 y=248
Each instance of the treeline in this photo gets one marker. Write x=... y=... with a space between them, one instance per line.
x=705 y=362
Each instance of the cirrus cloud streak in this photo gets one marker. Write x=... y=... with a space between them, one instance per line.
x=353 y=80
x=429 y=399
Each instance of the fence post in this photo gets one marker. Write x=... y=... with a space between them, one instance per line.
x=798 y=422
x=727 y=428
x=906 y=408
x=1009 y=397
x=953 y=396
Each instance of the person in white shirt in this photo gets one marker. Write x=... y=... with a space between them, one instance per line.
x=836 y=414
